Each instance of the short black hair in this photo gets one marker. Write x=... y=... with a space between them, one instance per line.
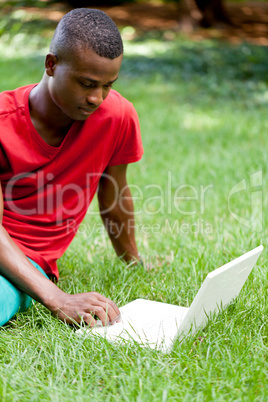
x=90 y=28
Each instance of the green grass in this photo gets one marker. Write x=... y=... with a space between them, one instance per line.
x=203 y=115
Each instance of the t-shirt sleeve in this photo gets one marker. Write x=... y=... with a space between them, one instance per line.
x=129 y=147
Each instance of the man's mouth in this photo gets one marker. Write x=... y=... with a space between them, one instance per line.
x=87 y=111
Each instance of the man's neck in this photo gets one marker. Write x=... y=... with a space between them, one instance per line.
x=49 y=121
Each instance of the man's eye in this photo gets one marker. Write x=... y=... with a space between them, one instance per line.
x=86 y=85
x=107 y=86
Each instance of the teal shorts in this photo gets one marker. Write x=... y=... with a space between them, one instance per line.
x=12 y=299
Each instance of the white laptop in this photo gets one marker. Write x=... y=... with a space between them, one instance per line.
x=158 y=325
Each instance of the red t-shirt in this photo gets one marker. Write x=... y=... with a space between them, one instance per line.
x=47 y=190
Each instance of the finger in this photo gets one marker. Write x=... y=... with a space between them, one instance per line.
x=114 y=306
x=105 y=312
x=109 y=308
x=89 y=320
x=110 y=302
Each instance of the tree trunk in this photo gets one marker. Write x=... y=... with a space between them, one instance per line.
x=213 y=12
x=207 y=13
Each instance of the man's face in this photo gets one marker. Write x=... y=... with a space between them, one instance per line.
x=79 y=84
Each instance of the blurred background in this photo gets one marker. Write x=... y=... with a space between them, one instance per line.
x=233 y=20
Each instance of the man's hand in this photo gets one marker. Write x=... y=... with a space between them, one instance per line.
x=83 y=306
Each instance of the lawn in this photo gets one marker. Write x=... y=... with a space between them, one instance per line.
x=203 y=114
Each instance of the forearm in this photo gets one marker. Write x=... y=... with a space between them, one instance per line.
x=117 y=211
x=120 y=225
x=16 y=267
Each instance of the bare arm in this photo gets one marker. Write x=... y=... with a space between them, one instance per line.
x=16 y=267
x=117 y=211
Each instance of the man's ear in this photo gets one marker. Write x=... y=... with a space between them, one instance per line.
x=50 y=63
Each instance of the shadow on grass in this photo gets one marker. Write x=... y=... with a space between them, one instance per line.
x=209 y=67
x=187 y=58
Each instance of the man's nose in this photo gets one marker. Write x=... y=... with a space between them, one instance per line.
x=95 y=97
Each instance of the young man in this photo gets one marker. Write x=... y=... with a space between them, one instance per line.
x=59 y=141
